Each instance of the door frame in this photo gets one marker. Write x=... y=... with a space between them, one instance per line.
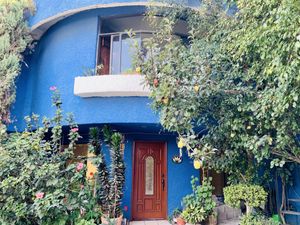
x=165 y=149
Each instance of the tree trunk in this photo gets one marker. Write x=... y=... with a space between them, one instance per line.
x=249 y=209
x=283 y=200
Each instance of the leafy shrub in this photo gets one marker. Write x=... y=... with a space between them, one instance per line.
x=200 y=204
x=257 y=220
x=14 y=39
x=252 y=195
x=85 y=222
x=38 y=184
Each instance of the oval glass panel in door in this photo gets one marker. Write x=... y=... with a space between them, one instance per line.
x=149 y=175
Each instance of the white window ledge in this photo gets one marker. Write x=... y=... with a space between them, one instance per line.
x=110 y=85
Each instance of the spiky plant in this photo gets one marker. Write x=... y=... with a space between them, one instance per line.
x=117 y=178
x=103 y=175
x=111 y=183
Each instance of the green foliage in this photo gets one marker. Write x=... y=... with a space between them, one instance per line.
x=265 y=47
x=111 y=182
x=237 y=75
x=14 y=39
x=103 y=173
x=257 y=220
x=200 y=204
x=85 y=222
x=252 y=195
x=38 y=184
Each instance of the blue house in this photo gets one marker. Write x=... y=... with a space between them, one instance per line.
x=74 y=36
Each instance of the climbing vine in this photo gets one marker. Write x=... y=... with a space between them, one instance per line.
x=14 y=39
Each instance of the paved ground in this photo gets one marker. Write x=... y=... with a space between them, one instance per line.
x=165 y=222
x=230 y=222
x=150 y=222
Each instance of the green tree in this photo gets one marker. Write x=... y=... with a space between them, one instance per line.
x=14 y=39
x=236 y=75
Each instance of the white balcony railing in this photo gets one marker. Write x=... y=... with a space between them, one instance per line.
x=110 y=85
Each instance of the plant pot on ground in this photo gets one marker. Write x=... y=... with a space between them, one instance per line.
x=199 y=205
x=176 y=218
x=107 y=220
x=180 y=221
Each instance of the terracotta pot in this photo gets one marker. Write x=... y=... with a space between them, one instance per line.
x=180 y=221
x=117 y=221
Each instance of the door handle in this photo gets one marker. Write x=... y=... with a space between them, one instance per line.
x=163 y=182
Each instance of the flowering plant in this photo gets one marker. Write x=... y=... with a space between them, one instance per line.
x=38 y=184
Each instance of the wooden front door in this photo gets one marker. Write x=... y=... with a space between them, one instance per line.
x=149 y=181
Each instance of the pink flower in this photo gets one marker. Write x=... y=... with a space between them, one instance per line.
x=79 y=166
x=39 y=195
x=82 y=211
x=75 y=129
x=81 y=186
x=53 y=88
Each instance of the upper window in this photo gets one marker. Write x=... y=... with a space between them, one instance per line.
x=116 y=49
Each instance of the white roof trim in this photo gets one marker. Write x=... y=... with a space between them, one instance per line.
x=41 y=27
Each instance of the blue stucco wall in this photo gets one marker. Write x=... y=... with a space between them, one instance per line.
x=179 y=175
x=50 y=8
x=64 y=52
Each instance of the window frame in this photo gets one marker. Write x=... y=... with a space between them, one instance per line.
x=120 y=34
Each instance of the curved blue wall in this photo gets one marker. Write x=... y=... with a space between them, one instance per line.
x=50 y=8
x=65 y=51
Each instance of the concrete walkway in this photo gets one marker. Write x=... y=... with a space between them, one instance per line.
x=150 y=222
x=230 y=222
x=165 y=222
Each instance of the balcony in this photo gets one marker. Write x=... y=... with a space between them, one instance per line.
x=111 y=86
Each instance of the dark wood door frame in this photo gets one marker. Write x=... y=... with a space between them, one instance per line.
x=165 y=173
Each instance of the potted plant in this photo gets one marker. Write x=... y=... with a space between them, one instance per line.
x=110 y=183
x=180 y=220
x=176 y=217
x=199 y=205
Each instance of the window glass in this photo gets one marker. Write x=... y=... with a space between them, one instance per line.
x=115 y=54
x=128 y=52
x=149 y=176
